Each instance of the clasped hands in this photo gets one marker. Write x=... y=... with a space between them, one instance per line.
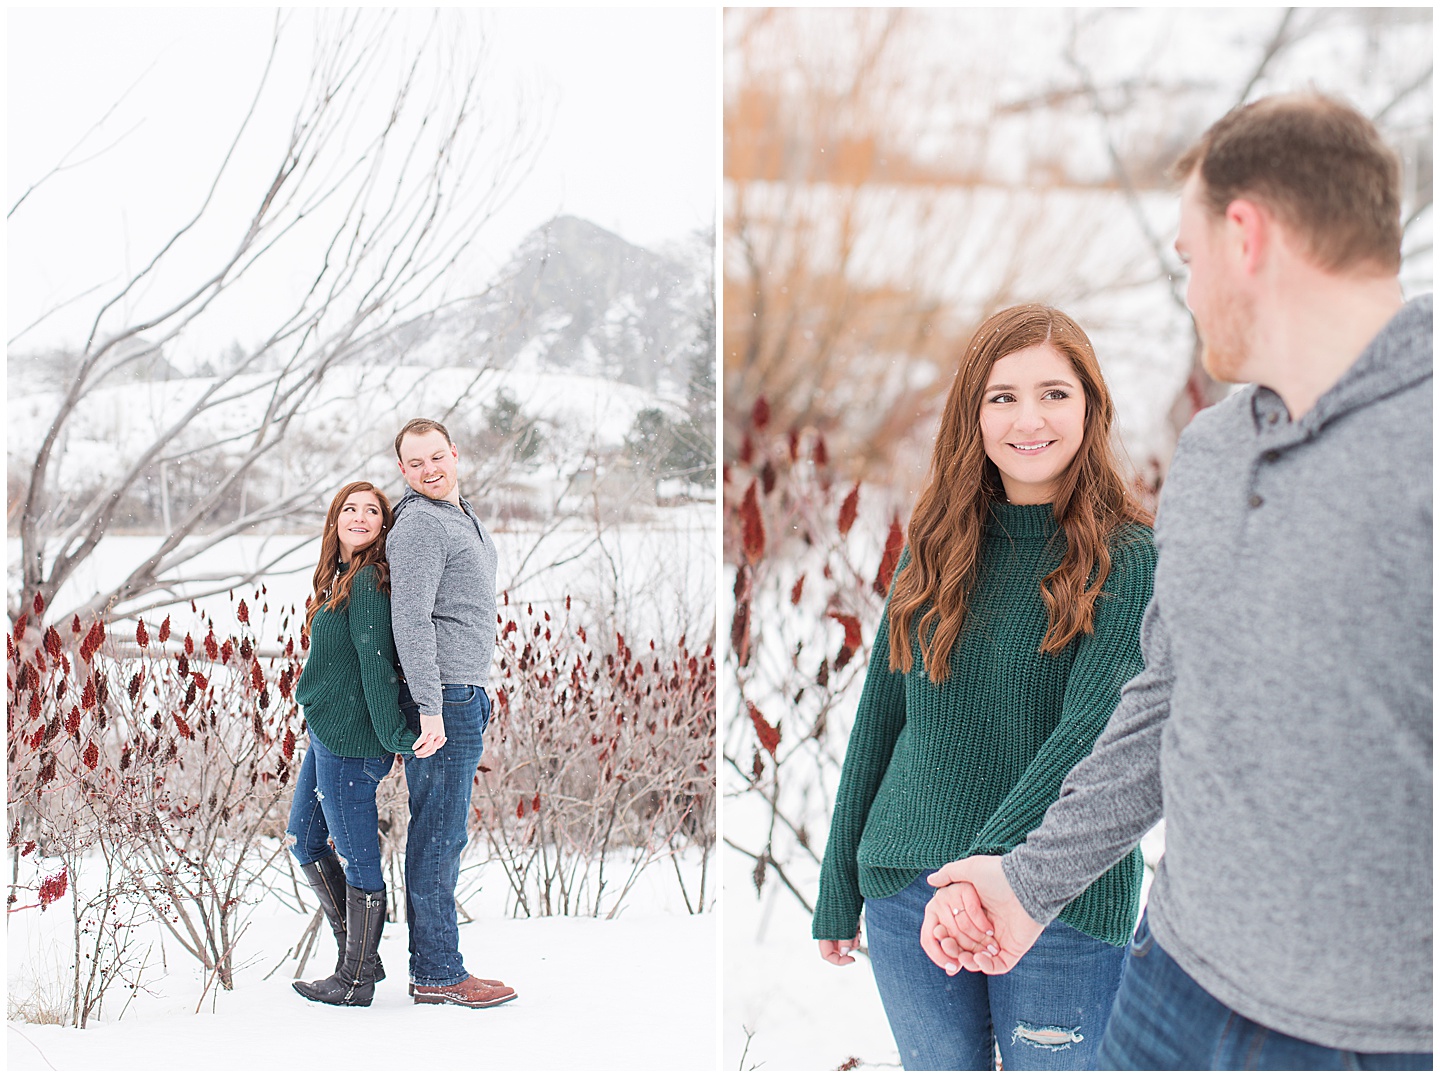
x=974 y=921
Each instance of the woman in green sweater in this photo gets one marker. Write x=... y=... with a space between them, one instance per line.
x=349 y=691
x=1013 y=622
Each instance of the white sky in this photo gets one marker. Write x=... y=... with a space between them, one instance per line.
x=632 y=146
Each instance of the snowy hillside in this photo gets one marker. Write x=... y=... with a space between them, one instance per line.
x=580 y=299
x=540 y=381
x=356 y=413
x=582 y=332
x=577 y=299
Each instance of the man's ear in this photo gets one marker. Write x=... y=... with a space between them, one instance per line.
x=1249 y=227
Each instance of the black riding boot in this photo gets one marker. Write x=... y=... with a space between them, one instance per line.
x=353 y=984
x=327 y=877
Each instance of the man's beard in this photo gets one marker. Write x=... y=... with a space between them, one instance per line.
x=1227 y=342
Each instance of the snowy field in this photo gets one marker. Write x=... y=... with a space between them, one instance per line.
x=656 y=578
x=785 y=1009
x=637 y=993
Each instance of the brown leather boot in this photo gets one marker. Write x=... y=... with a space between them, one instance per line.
x=471 y=992
x=482 y=980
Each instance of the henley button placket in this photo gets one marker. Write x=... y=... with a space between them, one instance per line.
x=1270 y=456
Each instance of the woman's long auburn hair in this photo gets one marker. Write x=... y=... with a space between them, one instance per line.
x=1092 y=499
x=331 y=588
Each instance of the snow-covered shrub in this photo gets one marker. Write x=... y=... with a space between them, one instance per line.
x=169 y=758
x=811 y=567
x=150 y=777
x=599 y=752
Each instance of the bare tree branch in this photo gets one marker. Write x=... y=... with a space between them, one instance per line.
x=1278 y=40
x=65 y=164
x=401 y=192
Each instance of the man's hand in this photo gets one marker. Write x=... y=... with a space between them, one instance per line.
x=837 y=952
x=432 y=735
x=956 y=933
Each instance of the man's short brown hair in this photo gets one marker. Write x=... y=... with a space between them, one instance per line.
x=1314 y=162
x=419 y=426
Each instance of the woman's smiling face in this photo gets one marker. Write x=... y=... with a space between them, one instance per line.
x=1032 y=421
x=358 y=523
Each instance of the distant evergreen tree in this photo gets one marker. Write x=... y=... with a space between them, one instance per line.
x=683 y=447
x=506 y=421
x=699 y=434
x=651 y=438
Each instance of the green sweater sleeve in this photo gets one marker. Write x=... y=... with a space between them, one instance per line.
x=369 y=616
x=1104 y=661
x=878 y=721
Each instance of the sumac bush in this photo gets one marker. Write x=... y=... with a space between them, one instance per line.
x=810 y=564
x=170 y=755
x=167 y=756
x=600 y=751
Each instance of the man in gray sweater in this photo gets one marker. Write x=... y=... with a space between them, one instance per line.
x=1282 y=724
x=442 y=609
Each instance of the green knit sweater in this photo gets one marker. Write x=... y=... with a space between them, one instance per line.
x=349 y=689
x=934 y=773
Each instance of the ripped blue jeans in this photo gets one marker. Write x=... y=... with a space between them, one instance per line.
x=1047 y=1013
x=335 y=798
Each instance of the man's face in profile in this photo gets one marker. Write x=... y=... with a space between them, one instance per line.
x=1224 y=315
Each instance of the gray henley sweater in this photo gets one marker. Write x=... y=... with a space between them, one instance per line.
x=442 y=596
x=1282 y=724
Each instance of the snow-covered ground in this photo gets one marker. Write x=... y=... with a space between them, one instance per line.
x=635 y=993
x=785 y=1009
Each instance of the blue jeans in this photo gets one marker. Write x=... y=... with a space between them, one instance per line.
x=1163 y=1020
x=1048 y=1013
x=440 y=788
x=335 y=798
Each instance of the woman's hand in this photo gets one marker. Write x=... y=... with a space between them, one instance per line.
x=953 y=942
x=997 y=910
x=432 y=735
x=837 y=952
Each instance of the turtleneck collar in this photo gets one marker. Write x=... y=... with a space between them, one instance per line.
x=1021 y=521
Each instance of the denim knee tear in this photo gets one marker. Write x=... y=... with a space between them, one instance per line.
x=291 y=839
x=318 y=795
x=1055 y=1038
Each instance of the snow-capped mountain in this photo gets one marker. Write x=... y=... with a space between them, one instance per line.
x=577 y=299
x=582 y=334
